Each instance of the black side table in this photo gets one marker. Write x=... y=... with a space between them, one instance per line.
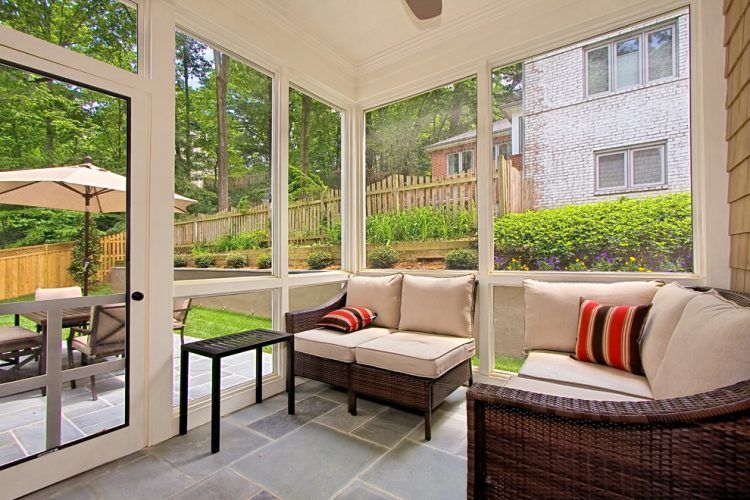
x=220 y=347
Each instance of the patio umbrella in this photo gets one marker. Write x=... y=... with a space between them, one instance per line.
x=83 y=187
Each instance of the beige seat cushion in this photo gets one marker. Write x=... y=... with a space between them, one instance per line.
x=566 y=391
x=381 y=294
x=16 y=338
x=414 y=353
x=552 y=308
x=560 y=367
x=709 y=349
x=668 y=304
x=331 y=344
x=438 y=305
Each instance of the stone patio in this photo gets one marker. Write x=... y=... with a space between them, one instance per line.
x=321 y=452
x=22 y=416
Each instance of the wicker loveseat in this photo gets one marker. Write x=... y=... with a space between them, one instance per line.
x=417 y=352
x=538 y=437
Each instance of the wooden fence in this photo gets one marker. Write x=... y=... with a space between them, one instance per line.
x=309 y=218
x=24 y=269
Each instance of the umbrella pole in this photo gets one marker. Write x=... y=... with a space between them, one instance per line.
x=86 y=242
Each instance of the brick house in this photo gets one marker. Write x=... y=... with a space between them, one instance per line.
x=601 y=119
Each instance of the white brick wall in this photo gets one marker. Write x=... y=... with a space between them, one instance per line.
x=564 y=128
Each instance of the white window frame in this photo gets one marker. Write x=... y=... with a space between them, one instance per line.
x=673 y=27
x=629 y=168
x=460 y=155
x=643 y=76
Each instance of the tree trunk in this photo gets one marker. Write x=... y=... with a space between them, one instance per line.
x=221 y=62
x=304 y=130
x=186 y=81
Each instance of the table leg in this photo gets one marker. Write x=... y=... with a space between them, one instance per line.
x=16 y=320
x=290 y=376
x=183 y=391
x=258 y=375
x=215 y=403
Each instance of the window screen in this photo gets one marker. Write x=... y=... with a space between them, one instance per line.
x=611 y=170
x=648 y=166
x=660 y=53
x=598 y=70
x=628 y=63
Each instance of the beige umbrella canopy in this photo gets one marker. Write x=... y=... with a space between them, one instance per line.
x=84 y=188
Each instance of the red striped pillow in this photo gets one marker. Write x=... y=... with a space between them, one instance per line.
x=347 y=319
x=609 y=335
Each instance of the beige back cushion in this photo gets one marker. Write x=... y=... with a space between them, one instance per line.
x=709 y=349
x=381 y=294
x=552 y=308
x=438 y=305
x=668 y=304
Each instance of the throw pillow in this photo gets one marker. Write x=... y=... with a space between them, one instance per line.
x=438 y=305
x=609 y=335
x=347 y=319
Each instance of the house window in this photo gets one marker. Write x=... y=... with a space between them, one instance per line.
x=622 y=63
x=630 y=169
x=460 y=162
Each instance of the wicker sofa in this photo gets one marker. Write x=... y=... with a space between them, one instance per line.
x=565 y=431
x=417 y=352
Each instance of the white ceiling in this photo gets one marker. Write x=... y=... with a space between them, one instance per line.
x=362 y=29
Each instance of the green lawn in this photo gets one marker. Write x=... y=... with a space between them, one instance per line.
x=206 y=323
x=504 y=363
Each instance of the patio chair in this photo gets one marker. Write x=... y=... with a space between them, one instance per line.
x=179 y=316
x=67 y=292
x=16 y=341
x=105 y=338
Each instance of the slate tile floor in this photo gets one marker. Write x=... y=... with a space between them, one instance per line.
x=321 y=452
x=22 y=425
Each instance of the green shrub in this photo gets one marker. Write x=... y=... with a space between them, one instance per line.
x=180 y=261
x=383 y=257
x=462 y=258
x=204 y=259
x=263 y=261
x=319 y=259
x=243 y=241
x=76 y=267
x=236 y=260
x=652 y=234
x=421 y=224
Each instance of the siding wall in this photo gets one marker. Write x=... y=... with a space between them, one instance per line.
x=736 y=39
x=564 y=127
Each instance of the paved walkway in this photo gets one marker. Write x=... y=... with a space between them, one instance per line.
x=321 y=452
x=22 y=416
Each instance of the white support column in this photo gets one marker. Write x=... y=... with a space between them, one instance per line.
x=160 y=236
x=484 y=217
x=54 y=376
x=353 y=204
x=280 y=190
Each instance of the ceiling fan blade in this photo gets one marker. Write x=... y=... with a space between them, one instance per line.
x=425 y=9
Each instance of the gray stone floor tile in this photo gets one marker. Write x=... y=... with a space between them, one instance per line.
x=359 y=490
x=224 y=485
x=264 y=495
x=64 y=491
x=10 y=452
x=339 y=418
x=389 y=427
x=114 y=397
x=145 y=478
x=456 y=402
x=461 y=449
x=83 y=404
x=21 y=402
x=104 y=425
x=255 y=412
x=191 y=453
x=93 y=418
x=448 y=432
x=280 y=423
x=33 y=439
x=108 y=468
x=312 y=463
x=415 y=471
x=304 y=391
x=22 y=417
x=339 y=395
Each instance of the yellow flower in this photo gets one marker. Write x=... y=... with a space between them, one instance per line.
x=578 y=260
x=640 y=269
x=649 y=271
x=632 y=259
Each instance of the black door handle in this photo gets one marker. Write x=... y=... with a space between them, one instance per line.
x=137 y=296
